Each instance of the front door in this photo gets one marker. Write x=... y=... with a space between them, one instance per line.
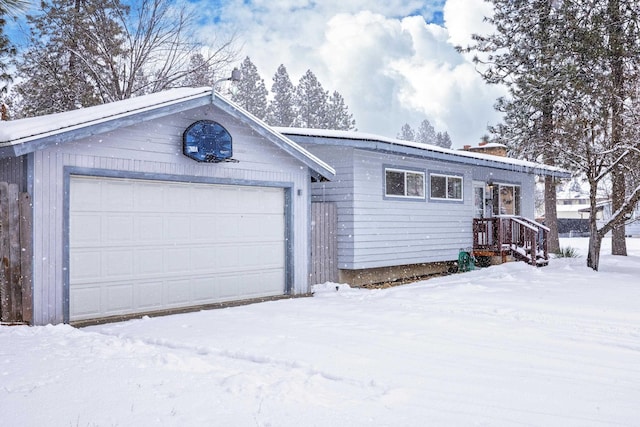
x=479 y=200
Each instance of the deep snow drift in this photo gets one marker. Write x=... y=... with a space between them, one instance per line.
x=506 y=345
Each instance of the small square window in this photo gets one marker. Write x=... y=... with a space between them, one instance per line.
x=446 y=187
x=403 y=183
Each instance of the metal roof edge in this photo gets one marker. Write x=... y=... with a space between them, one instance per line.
x=389 y=145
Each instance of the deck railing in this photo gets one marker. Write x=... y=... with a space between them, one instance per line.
x=521 y=237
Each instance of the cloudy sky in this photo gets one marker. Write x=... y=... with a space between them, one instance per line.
x=393 y=61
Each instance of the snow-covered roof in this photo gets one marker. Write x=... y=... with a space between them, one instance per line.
x=492 y=145
x=381 y=143
x=19 y=137
x=21 y=131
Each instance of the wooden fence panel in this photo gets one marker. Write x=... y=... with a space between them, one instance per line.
x=15 y=255
x=5 y=289
x=324 y=243
x=26 y=245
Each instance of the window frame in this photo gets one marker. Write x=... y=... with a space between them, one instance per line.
x=446 y=176
x=405 y=171
x=516 y=198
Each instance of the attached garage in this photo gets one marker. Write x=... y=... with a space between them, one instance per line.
x=138 y=245
x=171 y=201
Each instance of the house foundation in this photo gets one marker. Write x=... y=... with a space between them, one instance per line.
x=400 y=273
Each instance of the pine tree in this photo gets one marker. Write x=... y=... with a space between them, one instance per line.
x=281 y=110
x=58 y=79
x=338 y=114
x=407 y=133
x=201 y=72
x=443 y=140
x=251 y=92
x=426 y=133
x=7 y=51
x=12 y=6
x=312 y=102
x=524 y=53
x=87 y=52
x=569 y=67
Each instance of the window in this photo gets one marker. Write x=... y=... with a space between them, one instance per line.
x=446 y=187
x=404 y=183
x=506 y=199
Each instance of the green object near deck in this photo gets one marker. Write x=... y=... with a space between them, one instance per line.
x=465 y=261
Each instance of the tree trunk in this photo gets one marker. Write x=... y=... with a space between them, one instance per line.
x=595 y=242
x=618 y=238
x=616 y=48
x=551 y=213
x=548 y=137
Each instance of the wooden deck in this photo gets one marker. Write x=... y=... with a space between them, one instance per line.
x=506 y=235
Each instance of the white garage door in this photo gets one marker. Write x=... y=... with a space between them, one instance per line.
x=138 y=246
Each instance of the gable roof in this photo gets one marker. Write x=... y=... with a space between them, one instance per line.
x=24 y=136
x=379 y=143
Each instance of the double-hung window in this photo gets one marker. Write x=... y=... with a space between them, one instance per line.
x=404 y=183
x=446 y=187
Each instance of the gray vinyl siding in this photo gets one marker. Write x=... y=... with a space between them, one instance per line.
x=154 y=150
x=377 y=231
x=400 y=232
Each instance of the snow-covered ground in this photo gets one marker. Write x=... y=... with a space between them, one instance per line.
x=503 y=346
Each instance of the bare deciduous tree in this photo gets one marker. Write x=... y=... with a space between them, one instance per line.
x=107 y=51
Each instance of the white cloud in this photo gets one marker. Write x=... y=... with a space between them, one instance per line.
x=391 y=66
x=463 y=18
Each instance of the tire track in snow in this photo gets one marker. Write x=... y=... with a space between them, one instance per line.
x=300 y=370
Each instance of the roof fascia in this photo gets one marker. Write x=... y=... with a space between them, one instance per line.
x=390 y=148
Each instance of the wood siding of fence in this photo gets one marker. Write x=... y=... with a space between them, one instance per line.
x=324 y=243
x=15 y=255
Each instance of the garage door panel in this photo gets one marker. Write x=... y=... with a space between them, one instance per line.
x=86 y=301
x=119 y=298
x=117 y=263
x=117 y=196
x=149 y=197
x=88 y=195
x=150 y=245
x=88 y=265
x=248 y=282
x=88 y=229
x=177 y=198
x=149 y=228
x=205 y=289
x=177 y=260
x=177 y=292
x=149 y=261
x=176 y=227
x=267 y=255
x=211 y=228
x=256 y=229
x=119 y=228
x=148 y=295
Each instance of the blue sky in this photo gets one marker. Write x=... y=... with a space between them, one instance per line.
x=394 y=61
